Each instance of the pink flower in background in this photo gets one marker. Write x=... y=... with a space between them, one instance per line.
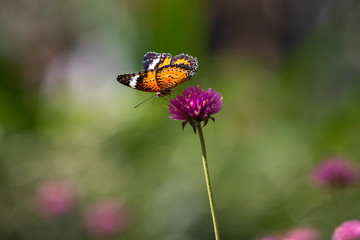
x=302 y=234
x=105 y=218
x=55 y=198
x=349 y=230
x=336 y=171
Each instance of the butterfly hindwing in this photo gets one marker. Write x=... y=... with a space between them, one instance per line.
x=186 y=60
x=144 y=81
x=153 y=61
x=165 y=60
x=170 y=76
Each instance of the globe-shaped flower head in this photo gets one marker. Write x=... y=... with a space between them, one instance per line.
x=55 y=198
x=349 y=230
x=301 y=234
x=105 y=218
x=336 y=171
x=195 y=105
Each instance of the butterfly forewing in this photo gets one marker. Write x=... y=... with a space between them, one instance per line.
x=144 y=81
x=153 y=61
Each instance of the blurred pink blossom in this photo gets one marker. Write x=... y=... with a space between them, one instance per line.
x=55 y=198
x=349 y=230
x=302 y=234
x=336 y=171
x=105 y=218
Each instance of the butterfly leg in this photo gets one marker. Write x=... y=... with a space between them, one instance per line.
x=160 y=99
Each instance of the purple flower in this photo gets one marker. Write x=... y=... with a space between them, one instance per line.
x=55 y=198
x=105 y=218
x=302 y=234
x=349 y=230
x=195 y=105
x=336 y=171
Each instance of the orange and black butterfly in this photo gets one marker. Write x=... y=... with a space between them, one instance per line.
x=161 y=73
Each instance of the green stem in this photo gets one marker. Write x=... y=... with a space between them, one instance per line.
x=208 y=184
x=333 y=193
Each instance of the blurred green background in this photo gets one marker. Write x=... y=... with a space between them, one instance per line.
x=289 y=72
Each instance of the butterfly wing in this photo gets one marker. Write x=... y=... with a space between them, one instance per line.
x=143 y=81
x=161 y=73
x=186 y=60
x=153 y=60
x=170 y=76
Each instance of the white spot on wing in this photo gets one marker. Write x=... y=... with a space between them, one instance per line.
x=133 y=81
x=154 y=63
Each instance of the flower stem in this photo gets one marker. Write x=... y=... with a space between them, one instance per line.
x=333 y=195
x=208 y=184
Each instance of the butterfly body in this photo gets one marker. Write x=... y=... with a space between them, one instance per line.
x=161 y=73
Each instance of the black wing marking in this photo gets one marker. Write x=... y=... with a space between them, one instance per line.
x=153 y=60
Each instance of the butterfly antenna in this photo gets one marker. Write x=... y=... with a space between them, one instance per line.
x=145 y=101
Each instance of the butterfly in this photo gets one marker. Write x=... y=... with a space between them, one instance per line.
x=161 y=73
